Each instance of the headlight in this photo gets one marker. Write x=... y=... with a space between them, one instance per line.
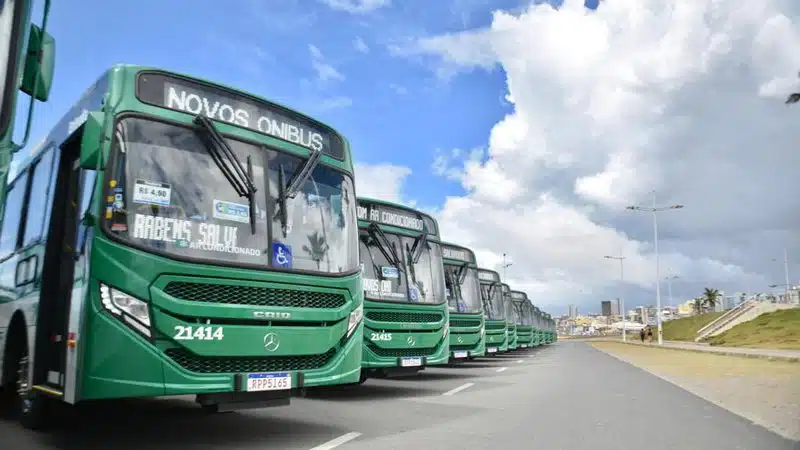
x=483 y=331
x=446 y=330
x=355 y=317
x=132 y=311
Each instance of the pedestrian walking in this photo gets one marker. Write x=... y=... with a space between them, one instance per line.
x=649 y=335
x=641 y=335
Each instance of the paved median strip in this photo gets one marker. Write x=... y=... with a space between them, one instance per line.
x=459 y=389
x=333 y=443
x=502 y=369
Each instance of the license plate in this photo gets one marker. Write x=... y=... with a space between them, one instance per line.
x=460 y=354
x=257 y=382
x=491 y=350
x=411 y=362
x=524 y=345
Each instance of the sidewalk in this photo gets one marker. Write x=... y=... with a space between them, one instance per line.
x=765 y=353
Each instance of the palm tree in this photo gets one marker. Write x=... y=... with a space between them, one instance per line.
x=794 y=97
x=698 y=305
x=317 y=248
x=710 y=297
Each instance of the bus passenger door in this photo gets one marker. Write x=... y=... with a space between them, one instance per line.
x=57 y=277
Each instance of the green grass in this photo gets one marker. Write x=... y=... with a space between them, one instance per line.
x=685 y=329
x=779 y=329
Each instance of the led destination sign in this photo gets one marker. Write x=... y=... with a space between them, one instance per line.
x=518 y=295
x=384 y=215
x=222 y=105
x=488 y=276
x=457 y=253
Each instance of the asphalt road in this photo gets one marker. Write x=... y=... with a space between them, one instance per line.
x=566 y=396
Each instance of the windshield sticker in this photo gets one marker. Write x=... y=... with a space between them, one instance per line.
x=207 y=236
x=282 y=255
x=235 y=212
x=413 y=293
x=151 y=193
x=390 y=272
x=119 y=227
x=462 y=307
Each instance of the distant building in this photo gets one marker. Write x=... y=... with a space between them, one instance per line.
x=605 y=308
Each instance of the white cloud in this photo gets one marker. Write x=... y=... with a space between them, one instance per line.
x=334 y=103
x=398 y=89
x=324 y=71
x=360 y=45
x=357 y=6
x=678 y=96
x=381 y=181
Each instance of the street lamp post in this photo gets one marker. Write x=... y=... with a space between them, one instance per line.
x=653 y=210
x=669 y=287
x=505 y=266
x=621 y=260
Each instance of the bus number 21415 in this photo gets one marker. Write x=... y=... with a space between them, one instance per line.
x=183 y=333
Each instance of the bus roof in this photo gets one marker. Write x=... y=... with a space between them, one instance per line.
x=457 y=254
x=396 y=215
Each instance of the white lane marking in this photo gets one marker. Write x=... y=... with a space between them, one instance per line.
x=502 y=369
x=519 y=361
x=459 y=389
x=333 y=443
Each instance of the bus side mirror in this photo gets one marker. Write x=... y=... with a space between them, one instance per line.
x=91 y=140
x=37 y=77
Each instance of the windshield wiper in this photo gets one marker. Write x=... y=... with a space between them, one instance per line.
x=384 y=246
x=420 y=243
x=234 y=171
x=290 y=189
x=251 y=198
x=462 y=273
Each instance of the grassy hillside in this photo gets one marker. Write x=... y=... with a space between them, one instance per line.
x=685 y=329
x=779 y=329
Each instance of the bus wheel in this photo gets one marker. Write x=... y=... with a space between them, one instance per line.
x=33 y=409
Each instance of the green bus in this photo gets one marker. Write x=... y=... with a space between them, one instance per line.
x=538 y=326
x=493 y=312
x=148 y=249
x=510 y=316
x=467 y=332
x=25 y=65
x=550 y=325
x=406 y=318
x=521 y=305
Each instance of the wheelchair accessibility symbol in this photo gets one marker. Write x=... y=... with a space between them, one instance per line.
x=281 y=255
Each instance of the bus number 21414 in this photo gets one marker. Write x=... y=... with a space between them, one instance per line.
x=183 y=333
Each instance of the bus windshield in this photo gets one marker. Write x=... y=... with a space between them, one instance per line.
x=390 y=274
x=463 y=294
x=166 y=194
x=508 y=307
x=494 y=309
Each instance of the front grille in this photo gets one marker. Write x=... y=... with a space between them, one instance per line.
x=494 y=326
x=464 y=323
x=400 y=352
x=405 y=317
x=205 y=364
x=252 y=295
x=456 y=348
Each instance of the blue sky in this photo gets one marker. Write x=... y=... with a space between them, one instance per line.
x=393 y=109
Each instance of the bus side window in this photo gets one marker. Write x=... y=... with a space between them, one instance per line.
x=12 y=216
x=40 y=199
x=88 y=181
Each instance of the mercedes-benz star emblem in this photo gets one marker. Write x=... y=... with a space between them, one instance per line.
x=460 y=340
x=271 y=342
x=410 y=340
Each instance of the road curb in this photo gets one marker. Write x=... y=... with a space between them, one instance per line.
x=792 y=359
